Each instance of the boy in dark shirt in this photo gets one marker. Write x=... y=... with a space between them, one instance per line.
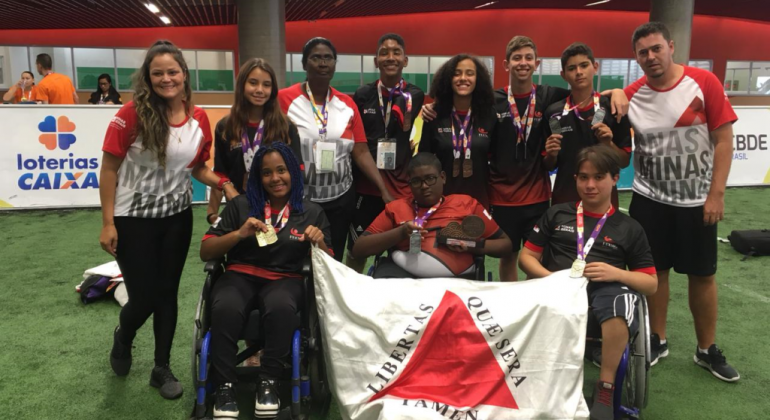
x=580 y=120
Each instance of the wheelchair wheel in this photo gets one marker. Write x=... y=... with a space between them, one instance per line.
x=320 y=389
x=200 y=327
x=636 y=382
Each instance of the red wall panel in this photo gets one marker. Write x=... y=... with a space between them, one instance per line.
x=483 y=32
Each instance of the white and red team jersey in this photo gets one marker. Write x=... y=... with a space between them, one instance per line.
x=673 y=153
x=344 y=127
x=146 y=189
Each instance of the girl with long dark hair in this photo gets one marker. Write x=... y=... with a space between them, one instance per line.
x=461 y=133
x=152 y=147
x=265 y=234
x=255 y=120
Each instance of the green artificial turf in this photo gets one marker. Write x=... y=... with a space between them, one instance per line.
x=54 y=350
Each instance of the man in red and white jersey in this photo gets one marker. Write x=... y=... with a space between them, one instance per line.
x=683 y=148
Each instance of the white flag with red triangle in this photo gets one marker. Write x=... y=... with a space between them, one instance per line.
x=452 y=349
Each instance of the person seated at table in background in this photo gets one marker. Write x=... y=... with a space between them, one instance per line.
x=424 y=215
x=22 y=91
x=615 y=257
x=105 y=93
x=265 y=235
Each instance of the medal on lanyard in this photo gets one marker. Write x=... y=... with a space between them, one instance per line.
x=579 y=266
x=271 y=236
x=523 y=126
x=250 y=147
x=415 y=240
x=325 y=152
x=598 y=111
x=460 y=143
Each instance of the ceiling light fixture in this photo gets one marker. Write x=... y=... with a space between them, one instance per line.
x=598 y=2
x=165 y=20
x=151 y=7
x=485 y=5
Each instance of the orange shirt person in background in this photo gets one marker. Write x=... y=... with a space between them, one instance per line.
x=54 y=88
x=22 y=91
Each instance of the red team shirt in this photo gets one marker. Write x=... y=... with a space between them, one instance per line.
x=674 y=155
x=344 y=128
x=146 y=189
x=435 y=260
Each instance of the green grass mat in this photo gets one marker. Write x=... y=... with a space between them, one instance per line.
x=54 y=350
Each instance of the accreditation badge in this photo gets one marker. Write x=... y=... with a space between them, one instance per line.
x=325 y=156
x=415 y=242
x=386 y=154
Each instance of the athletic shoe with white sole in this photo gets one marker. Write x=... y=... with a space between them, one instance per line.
x=225 y=405
x=602 y=407
x=716 y=363
x=268 y=403
x=657 y=350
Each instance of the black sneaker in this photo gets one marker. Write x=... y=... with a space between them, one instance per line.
x=225 y=406
x=602 y=407
x=716 y=363
x=267 y=403
x=657 y=350
x=595 y=356
x=120 y=356
x=166 y=382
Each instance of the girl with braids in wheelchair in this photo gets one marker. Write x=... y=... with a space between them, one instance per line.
x=264 y=235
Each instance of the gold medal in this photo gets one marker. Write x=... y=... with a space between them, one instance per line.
x=577 y=269
x=467 y=168
x=270 y=236
x=456 y=168
x=261 y=239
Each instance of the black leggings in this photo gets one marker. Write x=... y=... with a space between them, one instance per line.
x=339 y=212
x=232 y=299
x=151 y=256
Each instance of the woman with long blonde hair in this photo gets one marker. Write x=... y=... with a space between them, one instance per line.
x=152 y=147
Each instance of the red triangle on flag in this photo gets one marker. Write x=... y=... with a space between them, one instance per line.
x=694 y=114
x=453 y=363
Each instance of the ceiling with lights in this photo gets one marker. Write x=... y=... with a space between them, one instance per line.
x=70 y=14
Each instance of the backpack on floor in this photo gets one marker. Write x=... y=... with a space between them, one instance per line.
x=95 y=287
x=751 y=242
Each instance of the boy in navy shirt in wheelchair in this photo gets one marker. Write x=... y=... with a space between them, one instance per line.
x=610 y=249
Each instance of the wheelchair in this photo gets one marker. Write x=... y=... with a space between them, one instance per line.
x=632 y=377
x=479 y=272
x=308 y=390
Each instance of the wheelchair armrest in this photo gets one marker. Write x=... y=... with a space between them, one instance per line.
x=307 y=267
x=213 y=265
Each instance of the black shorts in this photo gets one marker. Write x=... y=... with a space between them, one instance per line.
x=368 y=207
x=677 y=236
x=517 y=221
x=615 y=300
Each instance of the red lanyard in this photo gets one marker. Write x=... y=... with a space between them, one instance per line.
x=569 y=107
x=283 y=217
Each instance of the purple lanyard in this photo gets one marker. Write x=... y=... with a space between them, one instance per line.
x=464 y=136
x=582 y=251
x=398 y=90
x=419 y=221
x=246 y=145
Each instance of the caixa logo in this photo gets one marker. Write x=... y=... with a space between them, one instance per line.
x=57 y=170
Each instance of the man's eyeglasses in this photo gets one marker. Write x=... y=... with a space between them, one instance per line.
x=318 y=59
x=429 y=180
